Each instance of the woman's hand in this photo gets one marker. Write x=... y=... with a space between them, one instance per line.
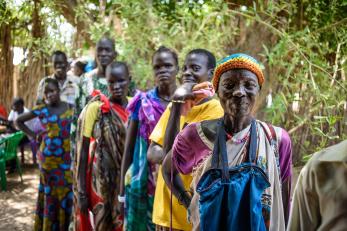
x=184 y=92
x=120 y=207
x=82 y=201
x=38 y=137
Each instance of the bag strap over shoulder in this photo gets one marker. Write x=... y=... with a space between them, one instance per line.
x=219 y=149
x=271 y=136
x=253 y=143
x=269 y=131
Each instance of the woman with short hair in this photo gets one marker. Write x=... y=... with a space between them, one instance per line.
x=146 y=108
x=100 y=140
x=54 y=203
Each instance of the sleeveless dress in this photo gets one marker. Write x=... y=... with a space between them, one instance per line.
x=55 y=198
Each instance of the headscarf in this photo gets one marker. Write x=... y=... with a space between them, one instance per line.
x=237 y=61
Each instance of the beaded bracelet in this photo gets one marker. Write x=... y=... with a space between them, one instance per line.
x=177 y=101
x=121 y=199
x=82 y=194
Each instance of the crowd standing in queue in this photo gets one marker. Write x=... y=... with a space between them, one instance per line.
x=198 y=68
x=173 y=157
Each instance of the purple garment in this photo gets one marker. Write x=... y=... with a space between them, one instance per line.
x=146 y=108
x=285 y=156
x=185 y=155
x=189 y=150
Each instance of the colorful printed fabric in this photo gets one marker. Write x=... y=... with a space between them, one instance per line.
x=201 y=91
x=140 y=184
x=237 y=61
x=88 y=83
x=54 y=205
x=104 y=161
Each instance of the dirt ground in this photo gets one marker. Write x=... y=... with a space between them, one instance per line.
x=17 y=204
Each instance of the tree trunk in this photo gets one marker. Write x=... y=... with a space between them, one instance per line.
x=67 y=9
x=35 y=70
x=6 y=65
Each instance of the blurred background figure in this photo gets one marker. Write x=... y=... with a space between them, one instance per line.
x=91 y=65
x=68 y=84
x=18 y=108
x=78 y=67
x=3 y=112
x=320 y=196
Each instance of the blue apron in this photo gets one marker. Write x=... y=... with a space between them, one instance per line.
x=230 y=198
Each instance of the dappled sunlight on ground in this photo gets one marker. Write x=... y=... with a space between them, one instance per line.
x=17 y=204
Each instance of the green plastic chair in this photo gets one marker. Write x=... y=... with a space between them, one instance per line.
x=8 y=151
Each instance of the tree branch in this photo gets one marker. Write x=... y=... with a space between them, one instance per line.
x=67 y=9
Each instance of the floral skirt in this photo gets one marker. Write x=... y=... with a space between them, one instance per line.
x=55 y=200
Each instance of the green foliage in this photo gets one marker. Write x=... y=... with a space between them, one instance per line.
x=147 y=26
x=305 y=58
x=20 y=16
x=310 y=62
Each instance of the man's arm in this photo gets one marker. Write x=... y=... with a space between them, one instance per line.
x=286 y=186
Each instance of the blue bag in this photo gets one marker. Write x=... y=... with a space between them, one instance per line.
x=230 y=198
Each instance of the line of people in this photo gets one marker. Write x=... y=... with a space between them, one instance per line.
x=171 y=158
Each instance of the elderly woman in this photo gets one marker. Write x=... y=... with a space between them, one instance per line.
x=242 y=166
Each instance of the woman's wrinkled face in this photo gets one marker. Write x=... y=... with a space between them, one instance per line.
x=52 y=93
x=237 y=91
x=165 y=68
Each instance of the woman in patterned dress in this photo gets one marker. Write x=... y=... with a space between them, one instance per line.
x=100 y=143
x=55 y=197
